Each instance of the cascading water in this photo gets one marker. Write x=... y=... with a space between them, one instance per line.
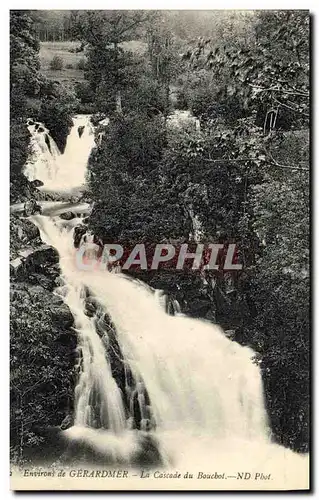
x=60 y=172
x=43 y=162
x=196 y=392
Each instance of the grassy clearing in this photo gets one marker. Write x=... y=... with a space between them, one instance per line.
x=61 y=49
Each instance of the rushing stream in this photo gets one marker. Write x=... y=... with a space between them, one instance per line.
x=197 y=393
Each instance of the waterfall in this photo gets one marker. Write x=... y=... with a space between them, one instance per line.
x=43 y=162
x=181 y=361
x=60 y=172
x=196 y=392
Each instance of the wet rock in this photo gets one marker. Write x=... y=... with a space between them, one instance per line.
x=44 y=281
x=23 y=234
x=47 y=141
x=68 y=215
x=81 y=130
x=230 y=334
x=149 y=453
x=67 y=422
x=36 y=183
x=31 y=207
x=90 y=306
x=42 y=257
x=58 y=281
x=62 y=316
x=79 y=231
x=211 y=315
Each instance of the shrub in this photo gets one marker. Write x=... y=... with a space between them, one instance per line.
x=69 y=66
x=81 y=64
x=56 y=63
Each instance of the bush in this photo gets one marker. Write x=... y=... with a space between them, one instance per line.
x=81 y=64
x=56 y=63
x=69 y=66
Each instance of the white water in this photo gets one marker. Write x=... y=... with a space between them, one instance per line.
x=205 y=393
x=60 y=172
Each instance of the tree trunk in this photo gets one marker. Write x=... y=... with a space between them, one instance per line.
x=118 y=100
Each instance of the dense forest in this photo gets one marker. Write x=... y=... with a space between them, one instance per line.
x=242 y=171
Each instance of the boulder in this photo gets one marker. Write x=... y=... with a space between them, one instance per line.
x=68 y=215
x=67 y=422
x=31 y=207
x=79 y=231
x=91 y=306
x=61 y=316
x=36 y=183
x=81 y=130
x=44 y=281
x=23 y=234
x=17 y=268
x=44 y=256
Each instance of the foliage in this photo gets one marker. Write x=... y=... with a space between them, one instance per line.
x=245 y=177
x=109 y=67
x=81 y=64
x=244 y=174
x=270 y=84
x=57 y=63
x=40 y=366
x=58 y=105
x=24 y=85
x=122 y=175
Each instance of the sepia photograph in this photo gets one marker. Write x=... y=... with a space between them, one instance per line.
x=160 y=250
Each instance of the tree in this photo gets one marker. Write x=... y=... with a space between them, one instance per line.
x=261 y=96
x=25 y=82
x=109 y=65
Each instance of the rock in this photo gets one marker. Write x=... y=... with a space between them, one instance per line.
x=62 y=316
x=47 y=141
x=17 y=268
x=211 y=316
x=230 y=334
x=36 y=183
x=79 y=231
x=148 y=453
x=67 y=339
x=59 y=282
x=42 y=257
x=81 y=130
x=23 y=234
x=90 y=306
x=31 y=208
x=68 y=216
x=44 y=281
x=67 y=422
x=40 y=129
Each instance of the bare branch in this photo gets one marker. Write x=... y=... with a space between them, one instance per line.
x=275 y=89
